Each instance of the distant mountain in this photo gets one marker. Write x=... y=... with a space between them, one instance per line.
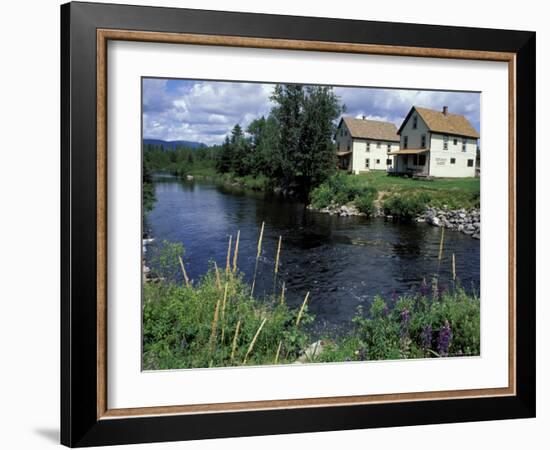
x=171 y=145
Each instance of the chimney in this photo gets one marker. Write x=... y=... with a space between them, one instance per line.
x=363 y=117
x=445 y=110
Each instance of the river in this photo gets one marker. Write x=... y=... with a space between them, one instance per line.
x=343 y=261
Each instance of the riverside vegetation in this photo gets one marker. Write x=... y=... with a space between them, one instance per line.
x=218 y=320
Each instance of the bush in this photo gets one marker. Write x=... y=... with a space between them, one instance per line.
x=405 y=206
x=340 y=189
x=365 y=203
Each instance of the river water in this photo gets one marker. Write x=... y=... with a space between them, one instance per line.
x=343 y=261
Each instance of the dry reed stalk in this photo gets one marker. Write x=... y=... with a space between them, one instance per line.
x=228 y=259
x=278 y=254
x=218 y=278
x=441 y=243
x=214 y=326
x=257 y=259
x=223 y=312
x=185 y=277
x=234 y=345
x=278 y=352
x=302 y=309
x=283 y=294
x=251 y=346
x=454 y=267
x=276 y=271
x=236 y=252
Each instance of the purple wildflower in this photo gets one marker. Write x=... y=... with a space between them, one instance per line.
x=405 y=321
x=424 y=288
x=426 y=337
x=444 y=339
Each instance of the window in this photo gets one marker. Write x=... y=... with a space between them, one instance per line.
x=389 y=148
x=422 y=160
x=453 y=160
x=378 y=144
x=341 y=131
x=415 y=122
x=377 y=161
x=388 y=162
x=423 y=141
x=455 y=141
x=367 y=163
x=405 y=141
x=470 y=163
x=463 y=145
x=445 y=142
x=415 y=160
x=348 y=148
x=368 y=146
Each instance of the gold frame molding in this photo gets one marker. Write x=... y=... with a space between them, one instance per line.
x=105 y=35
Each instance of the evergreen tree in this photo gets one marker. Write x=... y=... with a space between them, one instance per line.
x=225 y=159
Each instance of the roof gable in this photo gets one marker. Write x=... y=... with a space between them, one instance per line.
x=370 y=129
x=438 y=122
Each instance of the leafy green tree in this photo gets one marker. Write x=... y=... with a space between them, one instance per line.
x=306 y=118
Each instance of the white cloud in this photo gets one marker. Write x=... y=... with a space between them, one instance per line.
x=205 y=111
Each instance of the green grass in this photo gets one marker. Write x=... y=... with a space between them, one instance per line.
x=452 y=193
x=194 y=325
x=383 y=182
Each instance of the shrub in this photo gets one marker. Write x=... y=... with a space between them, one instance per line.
x=321 y=196
x=365 y=203
x=340 y=189
x=405 y=206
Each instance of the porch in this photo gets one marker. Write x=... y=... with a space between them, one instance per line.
x=411 y=162
x=344 y=160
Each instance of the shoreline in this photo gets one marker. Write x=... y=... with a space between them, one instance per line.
x=461 y=220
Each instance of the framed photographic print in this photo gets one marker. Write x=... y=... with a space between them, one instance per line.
x=276 y=224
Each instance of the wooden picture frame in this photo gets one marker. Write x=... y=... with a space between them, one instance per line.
x=85 y=417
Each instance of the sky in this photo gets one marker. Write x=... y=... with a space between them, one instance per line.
x=206 y=111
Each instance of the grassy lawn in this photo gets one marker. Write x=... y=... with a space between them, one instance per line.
x=383 y=182
x=453 y=192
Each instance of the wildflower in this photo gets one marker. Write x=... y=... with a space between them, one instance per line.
x=444 y=339
x=394 y=296
x=426 y=337
x=424 y=288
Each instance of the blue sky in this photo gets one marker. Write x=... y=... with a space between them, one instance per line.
x=205 y=111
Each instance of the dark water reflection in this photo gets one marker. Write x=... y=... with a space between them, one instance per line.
x=343 y=262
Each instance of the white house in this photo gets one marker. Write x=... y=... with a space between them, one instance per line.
x=436 y=143
x=364 y=145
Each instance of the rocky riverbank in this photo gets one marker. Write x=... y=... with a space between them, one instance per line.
x=467 y=222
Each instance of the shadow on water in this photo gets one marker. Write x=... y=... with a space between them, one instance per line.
x=343 y=261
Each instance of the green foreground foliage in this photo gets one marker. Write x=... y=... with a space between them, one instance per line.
x=216 y=322
x=422 y=326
